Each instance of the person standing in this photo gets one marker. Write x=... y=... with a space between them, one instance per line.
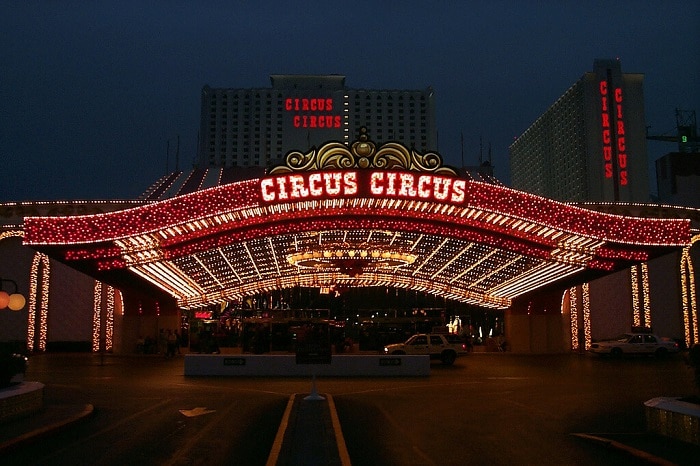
x=172 y=342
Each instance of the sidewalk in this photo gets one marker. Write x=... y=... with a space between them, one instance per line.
x=50 y=419
x=648 y=447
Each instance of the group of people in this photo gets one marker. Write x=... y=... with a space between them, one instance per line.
x=168 y=344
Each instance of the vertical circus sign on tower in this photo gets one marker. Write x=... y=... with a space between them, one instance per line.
x=613 y=133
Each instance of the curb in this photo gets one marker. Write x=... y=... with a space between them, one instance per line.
x=639 y=454
x=87 y=411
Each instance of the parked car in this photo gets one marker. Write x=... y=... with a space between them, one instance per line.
x=445 y=347
x=12 y=366
x=635 y=343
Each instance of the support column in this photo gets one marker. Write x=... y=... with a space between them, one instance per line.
x=536 y=324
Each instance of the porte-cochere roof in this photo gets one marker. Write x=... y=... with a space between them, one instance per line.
x=354 y=217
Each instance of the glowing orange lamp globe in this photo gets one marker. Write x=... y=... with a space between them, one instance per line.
x=16 y=302
x=4 y=299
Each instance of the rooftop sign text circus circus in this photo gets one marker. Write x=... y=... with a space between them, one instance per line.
x=321 y=116
x=362 y=183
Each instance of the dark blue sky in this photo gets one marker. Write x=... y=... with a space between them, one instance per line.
x=91 y=92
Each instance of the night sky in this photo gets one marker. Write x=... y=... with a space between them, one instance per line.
x=92 y=92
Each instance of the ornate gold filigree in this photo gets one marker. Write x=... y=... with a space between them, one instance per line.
x=363 y=153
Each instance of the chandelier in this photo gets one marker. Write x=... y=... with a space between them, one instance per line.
x=351 y=260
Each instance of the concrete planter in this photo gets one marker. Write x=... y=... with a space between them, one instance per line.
x=20 y=400
x=285 y=365
x=674 y=418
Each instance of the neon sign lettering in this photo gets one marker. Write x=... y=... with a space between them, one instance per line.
x=316 y=121
x=621 y=149
x=607 y=133
x=314 y=105
x=314 y=185
x=408 y=185
x=394 y=184
x=319 y=105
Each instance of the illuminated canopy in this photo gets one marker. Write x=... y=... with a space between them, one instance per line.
x=353 y=216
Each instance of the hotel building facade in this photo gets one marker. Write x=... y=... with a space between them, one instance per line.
x=257 y=127
x=590 y=145
x=589 y=148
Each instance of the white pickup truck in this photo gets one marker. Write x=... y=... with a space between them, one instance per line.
x=443 y=346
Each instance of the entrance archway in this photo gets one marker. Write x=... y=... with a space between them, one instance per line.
x=358 y=216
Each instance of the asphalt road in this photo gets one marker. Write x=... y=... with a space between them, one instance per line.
x=507 y=410
x=488 y=409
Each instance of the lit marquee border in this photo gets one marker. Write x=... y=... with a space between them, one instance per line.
x=219 y=244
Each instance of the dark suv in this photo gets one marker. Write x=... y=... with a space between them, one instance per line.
x=11 y=364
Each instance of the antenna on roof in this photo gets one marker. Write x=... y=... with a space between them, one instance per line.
x=177 y=155
x=197 y=158
x=167 y=157
x=481 y=150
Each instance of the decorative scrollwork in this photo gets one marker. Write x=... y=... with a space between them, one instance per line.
x=298 y=161
x=363 y=153
x=334 y=155
x=393 y=155
x=430 y=162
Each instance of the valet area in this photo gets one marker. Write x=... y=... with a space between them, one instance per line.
x=375 y=242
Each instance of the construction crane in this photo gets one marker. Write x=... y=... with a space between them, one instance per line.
x=686 y=132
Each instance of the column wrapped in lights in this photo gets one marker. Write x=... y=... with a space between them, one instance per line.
x=40 y=269
x=641 y=307
x=121 y=303
x=634 y=281
x=646 y=295
x=31 y=315
x=96 y=315
x=689 y=296
x=586 y=299
x=573 y=312
x=109 y=324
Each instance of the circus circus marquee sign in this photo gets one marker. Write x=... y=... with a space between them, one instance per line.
x=358 y=215
x=332 y=171
x=404 y=185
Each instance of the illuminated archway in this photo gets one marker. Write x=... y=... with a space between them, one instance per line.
x=354 y=216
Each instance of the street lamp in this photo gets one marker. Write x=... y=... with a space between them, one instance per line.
x=14 y=301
